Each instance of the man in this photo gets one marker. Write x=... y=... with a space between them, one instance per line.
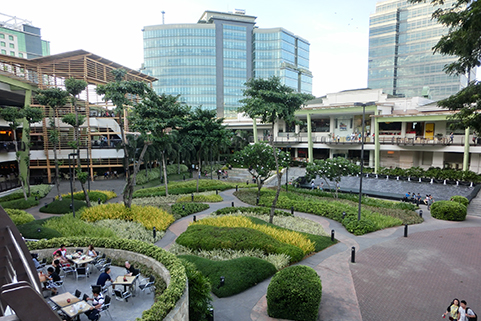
x=104 y=277
x=52 y=277
x=407 y=197
x=97 y=302
x=465 y=312
x=131 y=271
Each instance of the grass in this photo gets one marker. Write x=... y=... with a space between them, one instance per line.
x=239 y=274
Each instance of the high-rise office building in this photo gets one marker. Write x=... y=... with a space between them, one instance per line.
x=20 y=39
x=401 y=60
x=208 y=62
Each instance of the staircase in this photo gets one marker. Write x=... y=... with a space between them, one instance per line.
x=474 y=207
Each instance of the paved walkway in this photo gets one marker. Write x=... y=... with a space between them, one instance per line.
x=394 y=278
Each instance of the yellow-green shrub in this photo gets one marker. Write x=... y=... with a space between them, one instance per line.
x=288 y=237
x=201 y=198
x=108 y=194
x=148 y=216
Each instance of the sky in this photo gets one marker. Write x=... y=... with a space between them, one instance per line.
x=338 y=31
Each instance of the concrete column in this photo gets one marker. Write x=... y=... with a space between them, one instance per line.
x=438 y=159
x=466 y=150
x=276 y=129
x=331 y=153
x=371 y=158
x=403 y=129
x=254 y=129
x=310 y=150
x=474 y=164
x=332 y=124
x=297 y=129
x=296 y=152
x=377 y=145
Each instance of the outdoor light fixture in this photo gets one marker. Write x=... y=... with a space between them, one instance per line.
x=222 y=281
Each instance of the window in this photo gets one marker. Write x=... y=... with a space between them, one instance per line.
x=12 y=45
x=10 y=38
x=2 y=36
x=20 y=55
x=4 y=52
x=12 y=53
x=2 y=44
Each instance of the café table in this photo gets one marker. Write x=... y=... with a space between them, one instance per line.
x=126 y=281
x=84 y=259
x=64 y=299
x=76 y=309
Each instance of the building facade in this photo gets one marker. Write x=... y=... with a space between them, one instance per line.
x=19 y=38
x=401 y=60
x=209 y=62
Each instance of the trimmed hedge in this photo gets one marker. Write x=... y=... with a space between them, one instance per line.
x=35 y=230
x=240 y=274
x=164 y=302
x=208 y=238
x=449 y=210
x=62 y=207
x=20 y=203
x=19 y=217
x=201 y=198
x=460 y=199
x=35 y=190
x=200 y=300
x=186 y=187
x=294 y=294
x=256 y=210
x=184 y=209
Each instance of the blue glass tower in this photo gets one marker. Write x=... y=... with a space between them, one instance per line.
x=208 y=63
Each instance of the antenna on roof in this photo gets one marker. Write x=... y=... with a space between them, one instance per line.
x=163 y=18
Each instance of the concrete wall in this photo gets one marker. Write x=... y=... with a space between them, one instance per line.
x=181 y=310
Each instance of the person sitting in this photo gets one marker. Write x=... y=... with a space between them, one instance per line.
x=51 y=277
x=35 y=261
x=97 y=302
x=418 y=198
x=131 y=271
x=104 y=277
x=62 y=250
x=56 y=266
x=407 y=197
x=63 y=260
x=91 y=251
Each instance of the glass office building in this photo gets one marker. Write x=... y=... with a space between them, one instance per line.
x=207 y=63
x=401 y=60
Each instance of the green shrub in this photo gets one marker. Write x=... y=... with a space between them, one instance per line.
x=207 y=237
x=184 y=209
x=35 y=230
x=185 y=187
x=164 y=302
x=201 y=198
x=240 y=274
x=200 y=300
x=360 y=227
x=254 y=210
x=68 y=226
x=62 y=207
x=295 y=294
x=460 y=199
x=35 y=190
x=19 y=217
x=93 y=196
x=20 y=203
x=448 y=210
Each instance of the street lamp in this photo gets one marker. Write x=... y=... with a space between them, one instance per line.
x=362 y=152
x=288 y=148
x=71 y=180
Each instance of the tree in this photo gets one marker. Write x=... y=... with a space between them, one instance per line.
x=271 y=101
x=160 y=116
x=464 y=41
x=32 y=115
x=123 y=93
x=204 y=130
x=259 y=160
x=54 y=98
x=331 y=169
x=74 y=88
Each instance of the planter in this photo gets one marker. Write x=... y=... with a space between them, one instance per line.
x=426 y=180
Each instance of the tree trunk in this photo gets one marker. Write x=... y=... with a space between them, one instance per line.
x=79 y=163
x=279 y=177
x=57 y=170
x=130 y=190
x=165 y=175
x=17 y=157
x=178 y=164
x=198 y=174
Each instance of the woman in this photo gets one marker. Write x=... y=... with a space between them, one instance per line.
x=91 y=251
x=453 y=310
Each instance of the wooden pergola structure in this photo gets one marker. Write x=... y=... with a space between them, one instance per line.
x=51 y=72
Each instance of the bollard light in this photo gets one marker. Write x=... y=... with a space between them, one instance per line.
x=292 y=210
x=232 y=204
x=247 y=182
x=421 y=213
x=99 y=201
x=154 y=231
x=257 y=200
x=222 y=281
x=46 y=204
x=71 y=205
x=192 y=197
x=343 y=215
x=210 y=316
x=353 y=254
x=183 y=207
x=36 y=198
x=405 y=230
x=236 y=188
x=332 y=235
x=183 y=177
x=195 y=219
x=216 y=192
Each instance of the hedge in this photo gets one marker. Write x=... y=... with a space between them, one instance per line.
x=35 y=190
x=164 y=302
x=186 y=187
x=19 y=217
x=460 y=199
x=36 y=230
x=184 y=209
x=63 y=206
x=294 y=294
x=201 y=198
x=20 y=203
x=449 y=210
x=200 y=300
x=255 y=210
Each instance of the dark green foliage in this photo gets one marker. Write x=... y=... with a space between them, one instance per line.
x=240 y=274
x=160 y=191
x=256 y=210
x=200 y=300
x=35 y=230
x=20 y=203
x=62 y=207
x=360 y=227
x=184 y=209
x=295 y=294
x=460 y=199
x=432 y=172
x=448 y=210
x=208 y=238
x=93 y=196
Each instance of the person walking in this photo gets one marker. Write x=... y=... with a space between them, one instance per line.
x=313 y=185
x=451 y=138
x=452 y=312
x=465 y=313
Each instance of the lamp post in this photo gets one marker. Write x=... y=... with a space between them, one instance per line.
x=71 y=180
x=362 y=153
x=288 y=148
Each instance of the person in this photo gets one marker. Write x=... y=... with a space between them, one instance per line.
x=453 y=310
x=131 y=271
x=62 y=250
x=418 y=198
x=312 y=185
x=62 y=259
x=52 y=277
x=104 y=141
x=465 y=312
x=338 y=186
x=407 y=197
x=56 y=266
x=430 y=202
x=97 y=302
x=321 y=186
x=104 y=277
x=91 y=251
x=451 y=138
x=35 y=261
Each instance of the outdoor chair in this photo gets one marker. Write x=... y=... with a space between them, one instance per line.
x=69 y=270
x=122 y=296
x=85 y=297
x=82 y=272
x=147 y=284
x=78 y=293
x=106 y=306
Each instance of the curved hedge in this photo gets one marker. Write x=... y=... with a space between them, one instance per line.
x=250 y=209
x=178 y=279
x=19 y=217
x=460 y=199
x=184 y=209
x=448 y=210
x=294 y=294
